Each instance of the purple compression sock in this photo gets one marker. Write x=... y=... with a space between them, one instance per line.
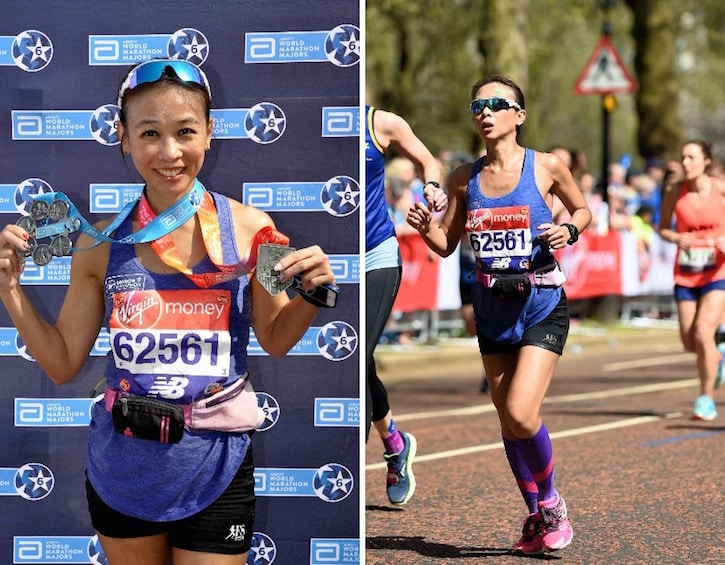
x=523 y=476
x=537 y=454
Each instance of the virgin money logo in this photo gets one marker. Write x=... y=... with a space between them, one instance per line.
x=479 y=220
x=137 y=309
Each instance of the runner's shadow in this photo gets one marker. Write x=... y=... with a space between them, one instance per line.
x=377 y=508
x=425 y=548
x=702 y=426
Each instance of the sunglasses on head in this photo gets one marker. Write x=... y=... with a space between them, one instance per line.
x=151 y=71
x=494 y=104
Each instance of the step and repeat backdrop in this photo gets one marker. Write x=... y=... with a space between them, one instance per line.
x=285 y=84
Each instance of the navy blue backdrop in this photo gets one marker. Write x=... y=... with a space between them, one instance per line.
x=285 y=85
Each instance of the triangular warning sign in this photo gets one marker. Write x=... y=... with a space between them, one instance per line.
x=604 y=72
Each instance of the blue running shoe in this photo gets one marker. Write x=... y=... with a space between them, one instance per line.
x=704 y=409
x=401 y=481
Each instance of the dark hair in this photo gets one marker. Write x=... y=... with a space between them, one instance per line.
x=705 y=146
x=506 y=81
x=168 y=77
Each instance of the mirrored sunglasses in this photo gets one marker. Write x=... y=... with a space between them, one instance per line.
x=151 y=71
x=494 y=104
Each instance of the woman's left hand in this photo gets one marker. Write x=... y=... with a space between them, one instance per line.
x=555 y=235
x=310 y=263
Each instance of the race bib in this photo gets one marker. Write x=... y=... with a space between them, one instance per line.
x=500 y=237
x=166 y=333
x=696 y=259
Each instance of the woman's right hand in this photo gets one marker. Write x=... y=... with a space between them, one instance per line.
x=419 y=217
x=12 y=239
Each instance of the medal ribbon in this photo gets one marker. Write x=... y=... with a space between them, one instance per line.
x=167 y=221
x=206 y=213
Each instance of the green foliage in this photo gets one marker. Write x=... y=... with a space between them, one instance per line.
x=422 y=58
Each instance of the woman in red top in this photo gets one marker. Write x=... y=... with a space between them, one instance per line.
x=698 y=208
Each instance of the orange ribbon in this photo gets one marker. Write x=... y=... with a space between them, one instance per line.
x=166 y=249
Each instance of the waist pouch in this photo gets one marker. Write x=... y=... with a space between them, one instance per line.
x=148 y=418
x=233 y=409
x=519 y=284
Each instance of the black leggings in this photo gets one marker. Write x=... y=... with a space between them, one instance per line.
x=381 y=288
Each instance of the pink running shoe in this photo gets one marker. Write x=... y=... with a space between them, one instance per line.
x=558 y=532
x=531 y=542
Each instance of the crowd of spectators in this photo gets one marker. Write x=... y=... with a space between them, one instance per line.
x=630 y=200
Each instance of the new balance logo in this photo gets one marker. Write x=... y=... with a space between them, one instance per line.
x=236 y=532
x=549 y=338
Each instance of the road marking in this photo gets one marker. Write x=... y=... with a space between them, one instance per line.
x=624 y=365
x=554 y=435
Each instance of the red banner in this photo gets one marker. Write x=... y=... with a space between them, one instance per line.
x=419 y=285
x=592 y=266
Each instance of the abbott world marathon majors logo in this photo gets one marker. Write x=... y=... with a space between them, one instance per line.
x=332 y=482
x=58 y=549
x=338 y=196
x=67 y=125
x=340 y=46
x=186 y=44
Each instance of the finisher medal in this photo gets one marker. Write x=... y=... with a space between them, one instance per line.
x=48 y=220
x=268 y=255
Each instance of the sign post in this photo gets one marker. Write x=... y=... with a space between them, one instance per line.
x=605 y=74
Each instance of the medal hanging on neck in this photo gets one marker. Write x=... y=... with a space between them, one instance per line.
x=206 y=214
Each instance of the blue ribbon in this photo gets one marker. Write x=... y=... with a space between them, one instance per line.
x=166 y=222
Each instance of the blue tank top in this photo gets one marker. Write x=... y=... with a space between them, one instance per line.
x=378 y=224
x=149 y=480
x=503 y=234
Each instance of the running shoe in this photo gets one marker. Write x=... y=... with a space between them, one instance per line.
x=558 y=532
x=704 y=409
x=532 y=538
x=401 y=481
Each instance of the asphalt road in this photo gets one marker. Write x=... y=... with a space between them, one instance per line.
x=642 y=480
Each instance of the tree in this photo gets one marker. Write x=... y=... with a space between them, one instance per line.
x=660 y=124
x=422 y=58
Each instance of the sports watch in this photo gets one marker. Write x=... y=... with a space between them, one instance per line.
x=573 y=233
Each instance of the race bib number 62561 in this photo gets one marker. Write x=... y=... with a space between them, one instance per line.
x=182 y=332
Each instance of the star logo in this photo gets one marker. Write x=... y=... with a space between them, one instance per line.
x=104 y=125
x=32 y=50
x=337 y=341
x=340 y=196
x=34 y=481
x=270 y=408
x=265 y=123
x=263 y=550
x=342 y=45
x=333 y=482
x=188 y=44
x=39 y=51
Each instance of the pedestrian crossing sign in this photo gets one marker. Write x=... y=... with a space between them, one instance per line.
x=604 y=72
